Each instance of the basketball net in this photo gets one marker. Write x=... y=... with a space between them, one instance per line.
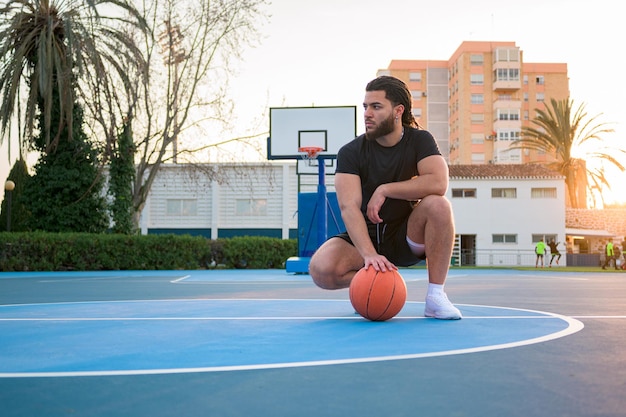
x=310 y=152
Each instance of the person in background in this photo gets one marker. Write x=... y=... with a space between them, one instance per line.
x=554 y=252
x=540 y=250
x=609 y=252
x=617 y=253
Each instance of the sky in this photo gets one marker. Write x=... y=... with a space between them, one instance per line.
x=323 y=52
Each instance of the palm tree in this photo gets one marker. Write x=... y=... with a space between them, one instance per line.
x=46 y=46
x=565 y=132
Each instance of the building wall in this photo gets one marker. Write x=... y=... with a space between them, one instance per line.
x=612 y=223
x=555 y=85
x=250 y=199
x=262 y=199
x=523 y=216
x=611 y=220
x=469 y=132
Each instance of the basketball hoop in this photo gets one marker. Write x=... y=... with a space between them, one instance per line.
x=310 y=152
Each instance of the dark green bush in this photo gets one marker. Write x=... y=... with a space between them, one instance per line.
x=257 y=252
x=88 y=252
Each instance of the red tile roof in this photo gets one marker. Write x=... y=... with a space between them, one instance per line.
x=503 y=171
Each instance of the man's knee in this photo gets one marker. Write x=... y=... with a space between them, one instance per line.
x=323 y=274
x=431 y=209
x=436 y=205
x=331 y=264
x=320 y=269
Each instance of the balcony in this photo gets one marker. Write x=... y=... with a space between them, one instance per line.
x=507 y=85
x=506 y=75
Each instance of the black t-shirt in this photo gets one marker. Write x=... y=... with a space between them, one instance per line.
x=376 y=165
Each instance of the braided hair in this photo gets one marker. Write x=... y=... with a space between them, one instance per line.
x=397 y=92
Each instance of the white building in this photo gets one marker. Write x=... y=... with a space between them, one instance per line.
x=501 y=211
x=224 y=200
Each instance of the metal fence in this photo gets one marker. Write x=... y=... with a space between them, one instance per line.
x=511 y=257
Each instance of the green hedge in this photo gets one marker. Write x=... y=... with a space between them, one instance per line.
x=93 y=252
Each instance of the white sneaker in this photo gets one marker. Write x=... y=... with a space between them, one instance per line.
x=439 y=307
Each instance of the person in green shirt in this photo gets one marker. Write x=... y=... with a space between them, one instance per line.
x=609 y=253
x=540 y=250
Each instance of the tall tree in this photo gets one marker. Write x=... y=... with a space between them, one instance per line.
x=18 y=210
x=121 y=178
x=189 y=50
x=65 y=194
x=51 y=44
x=46 y=48
x=574 y=139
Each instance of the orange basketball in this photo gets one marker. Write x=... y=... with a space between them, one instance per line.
x=376 y=295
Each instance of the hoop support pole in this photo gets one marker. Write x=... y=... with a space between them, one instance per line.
x=322 y=209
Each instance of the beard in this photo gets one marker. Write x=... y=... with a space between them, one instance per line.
x=386 y=127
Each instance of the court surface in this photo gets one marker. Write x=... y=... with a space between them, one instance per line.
x=265 y=342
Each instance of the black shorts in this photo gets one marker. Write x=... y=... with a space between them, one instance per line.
x=390 y=241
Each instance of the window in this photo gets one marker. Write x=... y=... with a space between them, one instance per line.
x=503 y=193
x=507 y=74
x=417 y=112
x=540 y=79
x=478 y=158
x=507 y=54
x=415 y=76
x=182 y=207
x=507 y=114
x=476 y=59
x=546 y=237
x=540 y=97
x=464 y=192
x=477 y=79
x=478 y=118
x=251 y=207
x=416 y=94
x=503 y=238
x=477 y=99
x=543 y=193
x=511 y=134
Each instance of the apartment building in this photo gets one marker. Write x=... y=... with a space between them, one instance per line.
x=476 y=102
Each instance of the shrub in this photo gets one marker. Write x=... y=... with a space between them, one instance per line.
x=88 y=252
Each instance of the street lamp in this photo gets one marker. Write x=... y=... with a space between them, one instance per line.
x=9 y=186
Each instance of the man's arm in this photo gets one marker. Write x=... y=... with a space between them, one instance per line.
x=432 y=180
x=349 y=197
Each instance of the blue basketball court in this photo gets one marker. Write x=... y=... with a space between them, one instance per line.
x=235 y=343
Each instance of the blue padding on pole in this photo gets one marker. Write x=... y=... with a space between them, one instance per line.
x=322 y=214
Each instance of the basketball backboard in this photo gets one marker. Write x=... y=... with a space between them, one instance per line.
x=292 y=128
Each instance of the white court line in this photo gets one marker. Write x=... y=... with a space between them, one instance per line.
x=184 y=277
x=555 y=276
x=269 y=318
x=227 y=282
x=46 y=281
x=126 y=278
x=573 y=327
